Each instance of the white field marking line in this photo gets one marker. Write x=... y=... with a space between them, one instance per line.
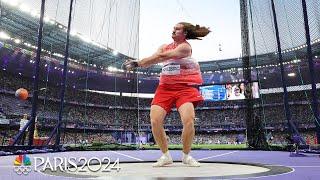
x=7 y=166
x=217 y=155
x=127 y=156
x=305 y=166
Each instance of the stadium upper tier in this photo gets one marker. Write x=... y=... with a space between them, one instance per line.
x=17 y=62
x=21 y=28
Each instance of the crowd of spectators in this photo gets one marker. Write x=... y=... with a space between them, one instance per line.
x=282 y=138
x=226 y=118
x=10 y=83
x=213 y=138
x=66 y=137
x=273 y=137
x=89 y=110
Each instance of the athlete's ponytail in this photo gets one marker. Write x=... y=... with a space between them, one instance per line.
x=194 y=31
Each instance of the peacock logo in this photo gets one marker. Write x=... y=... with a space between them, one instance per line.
x=22 y=165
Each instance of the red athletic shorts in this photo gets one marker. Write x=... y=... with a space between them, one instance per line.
x=169 y=94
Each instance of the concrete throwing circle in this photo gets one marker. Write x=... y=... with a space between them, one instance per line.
x=144 y=170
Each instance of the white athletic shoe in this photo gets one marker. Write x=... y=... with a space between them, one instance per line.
x=190 y=161
x=164 y=160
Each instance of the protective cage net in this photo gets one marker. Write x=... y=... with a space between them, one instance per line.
x=103 y=35
x=266 y=67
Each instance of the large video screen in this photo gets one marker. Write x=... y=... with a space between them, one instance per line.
x=224 y=92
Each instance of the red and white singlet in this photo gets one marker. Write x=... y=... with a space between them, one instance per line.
x=180 y=71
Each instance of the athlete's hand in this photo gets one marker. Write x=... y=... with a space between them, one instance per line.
x=130 y=65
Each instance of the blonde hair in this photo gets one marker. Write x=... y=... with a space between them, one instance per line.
x=194 y=31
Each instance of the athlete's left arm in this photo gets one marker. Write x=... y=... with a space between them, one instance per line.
x=181 y=51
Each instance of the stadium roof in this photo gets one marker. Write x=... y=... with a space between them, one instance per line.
x=24 y=26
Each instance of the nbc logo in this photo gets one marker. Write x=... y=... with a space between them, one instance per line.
x=22 y=165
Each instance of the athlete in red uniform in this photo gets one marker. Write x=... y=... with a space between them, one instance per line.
x=179 y=75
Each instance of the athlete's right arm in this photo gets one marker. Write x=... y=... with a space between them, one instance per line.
x=132 y=64
x=153 y=56
x=181 y=51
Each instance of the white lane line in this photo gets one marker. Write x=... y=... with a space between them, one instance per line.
x=217 y=155
x=127 y=156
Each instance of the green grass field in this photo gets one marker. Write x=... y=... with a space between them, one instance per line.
x=98 y=146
